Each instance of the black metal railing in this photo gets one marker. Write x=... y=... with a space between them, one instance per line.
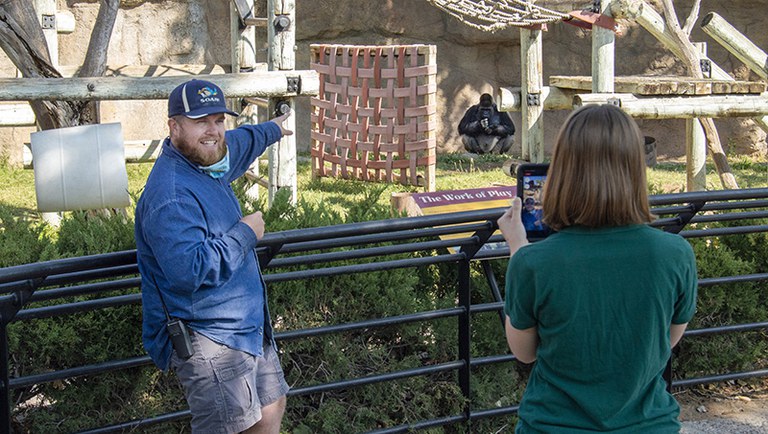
x=312 y=249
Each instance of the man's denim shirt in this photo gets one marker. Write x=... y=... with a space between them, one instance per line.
x=192 y=248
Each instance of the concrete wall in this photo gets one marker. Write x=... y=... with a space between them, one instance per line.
x=470 y=61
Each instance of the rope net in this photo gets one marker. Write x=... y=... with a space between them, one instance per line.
x=493 y=15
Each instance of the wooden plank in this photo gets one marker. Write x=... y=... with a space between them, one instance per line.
x=736 y=43
x=509 y=99
x=16 y=115
x=259 y=84
x=136 y=151
x=682 y=107
x=663 y=85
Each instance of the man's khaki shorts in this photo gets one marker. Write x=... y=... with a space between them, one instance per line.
x=227 y=388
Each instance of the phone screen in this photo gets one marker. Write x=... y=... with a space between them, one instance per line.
x=530 y=188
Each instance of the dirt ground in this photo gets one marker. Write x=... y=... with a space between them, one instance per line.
x=732 y=400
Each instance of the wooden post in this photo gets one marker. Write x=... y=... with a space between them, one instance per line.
x=532 y=140
x=603 y=43
x=695 y=156
x=736 y=43
x=696 y=146
x=46 y=13
x=281 y=29
x=430 y=169
x=243 y=42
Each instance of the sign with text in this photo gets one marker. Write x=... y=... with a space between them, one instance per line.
x=440 y=202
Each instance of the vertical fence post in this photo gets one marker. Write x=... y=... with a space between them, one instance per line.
x=5 y=388
x=465 y=301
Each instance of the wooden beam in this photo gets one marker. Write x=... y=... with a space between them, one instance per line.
x=65 y=22
x=603 y=54
x=509 y=99
x=654 y=85
x=259 y=84
x=709 y=106
x=16 y=115
x=283 y=173
x=136 y=151
x=19 y=114
x=736 y=43
x=532 y=135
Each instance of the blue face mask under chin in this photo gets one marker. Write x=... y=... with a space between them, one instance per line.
x=218 y=169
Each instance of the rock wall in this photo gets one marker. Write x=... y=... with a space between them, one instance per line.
x=470 y=61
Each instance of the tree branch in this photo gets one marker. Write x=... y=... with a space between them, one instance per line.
x=95 y=63
x=692 y=18
x=22 y=39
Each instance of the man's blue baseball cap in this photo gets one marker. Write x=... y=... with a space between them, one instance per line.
x=196 y=99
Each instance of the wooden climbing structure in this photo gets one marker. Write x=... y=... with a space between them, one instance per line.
x=708 y=92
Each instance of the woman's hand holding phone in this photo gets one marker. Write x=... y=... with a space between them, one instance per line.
x=511 y=226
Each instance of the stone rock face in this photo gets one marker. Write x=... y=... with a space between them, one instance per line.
x=470 y=61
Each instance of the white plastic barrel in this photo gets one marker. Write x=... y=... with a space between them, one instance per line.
x=80 y=168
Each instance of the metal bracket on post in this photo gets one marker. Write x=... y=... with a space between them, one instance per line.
x=281 y=23
x=614 y=101
x=282 y=107
x=49 y=22
x=596 y=6
x=706 y=67
x=294 y=85
x=534 y=99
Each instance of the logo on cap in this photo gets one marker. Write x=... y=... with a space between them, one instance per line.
x=197 y=98
x=207 y=91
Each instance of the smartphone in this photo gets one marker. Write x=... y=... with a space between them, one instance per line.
x=530 y=189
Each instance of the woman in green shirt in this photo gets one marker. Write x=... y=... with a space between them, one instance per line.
x=600 y=303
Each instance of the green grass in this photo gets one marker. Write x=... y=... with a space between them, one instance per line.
x=454 y=171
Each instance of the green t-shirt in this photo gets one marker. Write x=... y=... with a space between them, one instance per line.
x=602 y=301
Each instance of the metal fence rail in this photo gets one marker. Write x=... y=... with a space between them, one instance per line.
x=407 y=243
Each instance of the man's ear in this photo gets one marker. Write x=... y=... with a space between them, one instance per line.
x=173 y=126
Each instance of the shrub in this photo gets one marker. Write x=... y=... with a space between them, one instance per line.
x=48 y=344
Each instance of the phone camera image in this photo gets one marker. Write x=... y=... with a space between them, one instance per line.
x=530 y=188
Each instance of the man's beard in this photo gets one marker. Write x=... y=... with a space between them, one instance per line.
x=202 y=157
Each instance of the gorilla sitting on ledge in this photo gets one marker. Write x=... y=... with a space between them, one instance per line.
x=485 y=130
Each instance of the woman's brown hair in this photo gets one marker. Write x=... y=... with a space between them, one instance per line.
x=597 y=175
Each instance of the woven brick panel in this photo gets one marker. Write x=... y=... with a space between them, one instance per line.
x=375 y=115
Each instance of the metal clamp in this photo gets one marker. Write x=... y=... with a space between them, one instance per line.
x=614 y=101
x=281 y=22
x=706 y=67
x=534 y=99
x=596 y=6
x=282 y=107
x=294 y=85
x=49 y=22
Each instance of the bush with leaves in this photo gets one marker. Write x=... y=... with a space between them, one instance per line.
x=47 y=344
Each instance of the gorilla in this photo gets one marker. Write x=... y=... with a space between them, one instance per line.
x=484 y=129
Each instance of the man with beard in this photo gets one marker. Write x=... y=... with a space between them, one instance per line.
x=205 y=312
